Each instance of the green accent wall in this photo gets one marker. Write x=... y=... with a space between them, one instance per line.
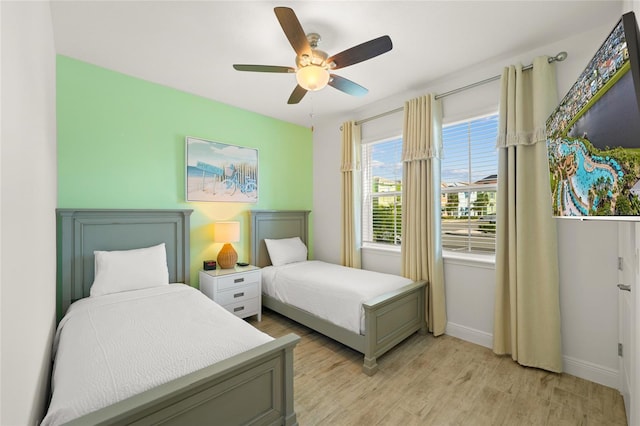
x=121 y=144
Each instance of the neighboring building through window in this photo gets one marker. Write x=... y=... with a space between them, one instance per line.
x=382 y=192
x=469 y=180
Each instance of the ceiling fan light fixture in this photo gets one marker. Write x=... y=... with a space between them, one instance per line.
x=312 y=77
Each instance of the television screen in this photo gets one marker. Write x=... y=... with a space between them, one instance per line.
x=593 y=136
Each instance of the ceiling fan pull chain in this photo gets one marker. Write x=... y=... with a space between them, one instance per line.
x=311 y=114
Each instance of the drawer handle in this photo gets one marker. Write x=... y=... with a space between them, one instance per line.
x=238 y=294
x=238 y=309
x=238 y=280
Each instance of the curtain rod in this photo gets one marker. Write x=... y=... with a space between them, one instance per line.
x=558 y=58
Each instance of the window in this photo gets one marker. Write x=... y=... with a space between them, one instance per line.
x=469 y=180
x=382 y=192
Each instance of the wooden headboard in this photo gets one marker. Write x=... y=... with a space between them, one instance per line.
x=81 y=231
x=275 y=224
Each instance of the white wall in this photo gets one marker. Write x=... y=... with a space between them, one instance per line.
x=589 y=298
x=587 y=273
x=28 y=199
x=470 y=294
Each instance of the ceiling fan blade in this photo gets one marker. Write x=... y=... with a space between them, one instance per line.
x=263 y=68
x=297 y=95
x=362 y=52
x=293 y=30
x=347 y=86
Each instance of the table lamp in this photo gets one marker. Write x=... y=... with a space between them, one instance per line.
x=226 y=233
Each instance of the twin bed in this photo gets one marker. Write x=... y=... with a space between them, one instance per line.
x=164 y=353
x=390 y=308
x=146 y=356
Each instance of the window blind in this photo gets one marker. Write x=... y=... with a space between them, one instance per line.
x=469 y=179
x=382 y=192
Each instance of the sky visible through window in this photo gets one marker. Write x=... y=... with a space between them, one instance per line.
x=473 y=141
x=469 y=151
x=387 y=160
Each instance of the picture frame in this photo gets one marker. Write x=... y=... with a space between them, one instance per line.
x=215 y=171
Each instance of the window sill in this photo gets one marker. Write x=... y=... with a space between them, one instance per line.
x=461 y=258
x=381 y=248
x=487 y=260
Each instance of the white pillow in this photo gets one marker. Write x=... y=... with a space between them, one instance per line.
x=125 y=270
x=286 y=250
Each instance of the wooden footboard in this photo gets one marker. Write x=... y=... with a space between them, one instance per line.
x=389 y=319
x=251 y=388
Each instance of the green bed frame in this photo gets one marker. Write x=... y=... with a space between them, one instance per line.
x=389 y=318
x=251 y=388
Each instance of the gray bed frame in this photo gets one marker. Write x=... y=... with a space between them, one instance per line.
x=389 y=318
x=254 y=387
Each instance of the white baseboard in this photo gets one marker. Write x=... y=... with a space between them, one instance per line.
x=576 y=367
x=469 y=334
x=589 y=371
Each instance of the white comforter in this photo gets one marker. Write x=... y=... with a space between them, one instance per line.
x=332 y=292
x=111 y=347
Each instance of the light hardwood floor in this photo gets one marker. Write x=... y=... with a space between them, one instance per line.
x=435 y=381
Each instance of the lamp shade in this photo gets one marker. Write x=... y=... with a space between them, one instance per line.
x=312 y=77
x=226 y=232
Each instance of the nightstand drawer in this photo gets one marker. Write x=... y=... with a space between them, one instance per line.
x=238 y=280
x=243 y=309
x=237 y=289
x=238 y=294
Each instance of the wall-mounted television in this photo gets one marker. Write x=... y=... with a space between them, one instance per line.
x=593 y=136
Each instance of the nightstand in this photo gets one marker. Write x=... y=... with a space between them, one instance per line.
x=238 y=290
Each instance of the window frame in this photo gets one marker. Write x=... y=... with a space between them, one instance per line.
x=469 y=252
x=466 y=257
x=367 y=216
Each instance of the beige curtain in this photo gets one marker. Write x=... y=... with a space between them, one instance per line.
x=421 y=238
x=350 y=218
x=527 y=306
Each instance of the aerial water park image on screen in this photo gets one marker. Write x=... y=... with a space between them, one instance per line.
x=593 y=137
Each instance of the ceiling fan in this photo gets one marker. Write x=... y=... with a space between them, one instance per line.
x=314 y=66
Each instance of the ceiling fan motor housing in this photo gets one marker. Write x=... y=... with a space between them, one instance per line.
x=318 y=57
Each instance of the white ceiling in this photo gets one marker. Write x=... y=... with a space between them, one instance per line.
x=191 y=45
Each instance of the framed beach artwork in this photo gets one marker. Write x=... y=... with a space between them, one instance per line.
x=220 y=172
